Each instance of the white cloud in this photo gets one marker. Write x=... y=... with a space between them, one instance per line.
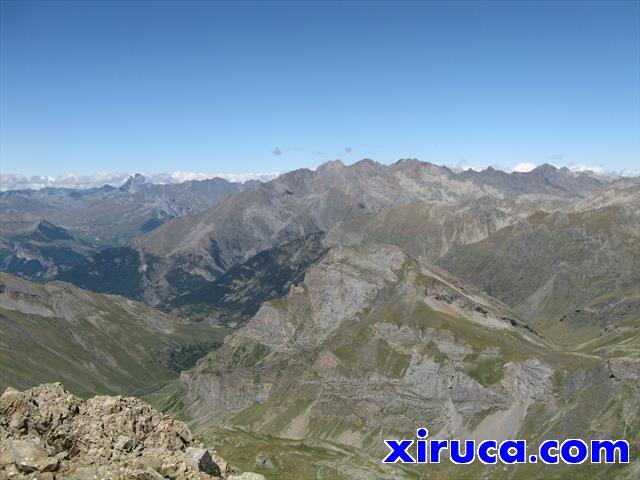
x=585 y=168
x=475 y=168
x=243 y=177
x=524 y=167
x=463 y=166
x=37 y=182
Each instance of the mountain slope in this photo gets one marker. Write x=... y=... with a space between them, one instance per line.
x=238 y=294
x=303 y=201
x=426 y=229
x=117 y=270
x=92 y=342
x=39 y=251
x=625 y=191
x=571 y=273
x=362 y=312
x=372 y=344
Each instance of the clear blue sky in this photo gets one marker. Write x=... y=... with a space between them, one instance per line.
x=239 y=87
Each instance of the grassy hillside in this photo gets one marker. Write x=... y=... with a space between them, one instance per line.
x=574 y=274
x=92 y=343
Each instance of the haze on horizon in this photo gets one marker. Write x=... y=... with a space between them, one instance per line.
x=200 y=87
x=117 y=179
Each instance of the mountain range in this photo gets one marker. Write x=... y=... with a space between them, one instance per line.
x=297 y=323
x=110 y=216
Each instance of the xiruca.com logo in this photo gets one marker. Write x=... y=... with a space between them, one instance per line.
x=570 y=451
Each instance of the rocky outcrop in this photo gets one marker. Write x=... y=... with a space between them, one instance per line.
x=48 y=433
x=371 y=341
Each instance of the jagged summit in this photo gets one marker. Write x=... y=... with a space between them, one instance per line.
x=133 y=183
x=544 y=168
x=366 y=162
x=331 y=165
x=50 y=231
x=47 y=433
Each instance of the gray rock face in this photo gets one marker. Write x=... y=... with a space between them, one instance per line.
x=371 y=340
x=247 y=476
x=46 y=430
x=372 y=344
x=428 y=229
x=303 y=201
x=200 y=459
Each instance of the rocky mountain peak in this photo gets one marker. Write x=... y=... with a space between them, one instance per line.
x=51 y=231
x=544 y=169
x=331 y=166
x=366 y=163
x=133 y=183
x=46 y=432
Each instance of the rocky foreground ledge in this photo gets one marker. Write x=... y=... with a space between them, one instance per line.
x=47 y=433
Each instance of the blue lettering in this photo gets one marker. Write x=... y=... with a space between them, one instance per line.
x=399 y=451
x=469 y=451
x=609 y=447
x=545 y=452
x=434 y=451
x=483 y=452
x=574 y=451
x=422 y=445
x=513 y=451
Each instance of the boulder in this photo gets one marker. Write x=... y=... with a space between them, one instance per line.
x=27 y=457
x=200 y=459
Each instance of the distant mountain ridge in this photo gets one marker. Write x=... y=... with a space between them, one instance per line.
x=109 y=216
x=178 y=245
x=304 y=201
x=574 y=272
x=40 y=251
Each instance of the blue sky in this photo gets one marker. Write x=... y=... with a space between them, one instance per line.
x=255 y=87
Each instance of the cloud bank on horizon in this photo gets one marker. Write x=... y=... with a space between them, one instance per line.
x=524 y=167
x=72 y=181
x=115 y=179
